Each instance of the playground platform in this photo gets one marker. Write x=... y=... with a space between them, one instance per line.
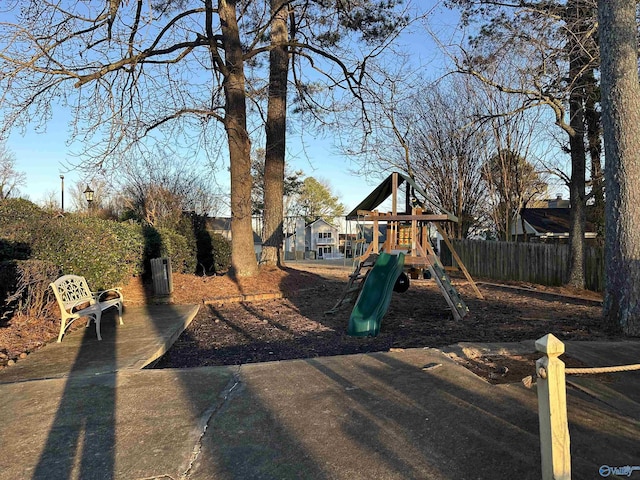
x=394 y=415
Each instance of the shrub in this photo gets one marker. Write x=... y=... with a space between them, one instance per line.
x=29 y=281
x=214 y=253
x=221 y=250
x=164 y=242
x=19 y=219
x=176 y=247
x=10 y=250
x=131 y=244
x=104 y=252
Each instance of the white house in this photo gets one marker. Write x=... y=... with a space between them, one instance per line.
x=322 y=238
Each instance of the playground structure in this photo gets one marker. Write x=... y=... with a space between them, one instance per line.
x=408 y=235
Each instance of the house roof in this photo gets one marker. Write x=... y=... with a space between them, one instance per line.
x=554 y=220
x=384 y=191
x=320 y=220
x=223 y=224
x=219 y=223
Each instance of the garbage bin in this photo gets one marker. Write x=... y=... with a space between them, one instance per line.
x=161 y=274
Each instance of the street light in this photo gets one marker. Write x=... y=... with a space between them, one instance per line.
x=88 y=194
x=62 y=193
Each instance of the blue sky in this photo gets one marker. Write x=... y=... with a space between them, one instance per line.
x=43 y=155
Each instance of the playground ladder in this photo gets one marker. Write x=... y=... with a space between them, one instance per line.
x=356 y=281
x=457 y=305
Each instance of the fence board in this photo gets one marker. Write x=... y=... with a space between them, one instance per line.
x=542 y=263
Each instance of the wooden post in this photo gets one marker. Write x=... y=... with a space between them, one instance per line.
x=394 y=193
x=445 y=237
x=552 y=410
x=414 y=231
x=375 y=232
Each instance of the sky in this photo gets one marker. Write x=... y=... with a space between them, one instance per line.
x=43 y=156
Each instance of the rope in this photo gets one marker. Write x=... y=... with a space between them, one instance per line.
x=528 y=381
x=620 y=368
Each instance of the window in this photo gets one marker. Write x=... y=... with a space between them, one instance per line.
x=324 y=234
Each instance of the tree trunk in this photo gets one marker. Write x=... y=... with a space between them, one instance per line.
x=577 y=195
x=274 y=161
x=593 y=120
x=243 y=258
x=621 y=123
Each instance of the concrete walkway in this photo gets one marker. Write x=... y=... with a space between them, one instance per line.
x=85 y=409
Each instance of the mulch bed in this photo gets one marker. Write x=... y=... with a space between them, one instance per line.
x=297 y=325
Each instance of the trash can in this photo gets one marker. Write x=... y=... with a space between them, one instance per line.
x=161 y=274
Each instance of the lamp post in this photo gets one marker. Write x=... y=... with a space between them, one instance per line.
x=88 y=194
x=62 y=193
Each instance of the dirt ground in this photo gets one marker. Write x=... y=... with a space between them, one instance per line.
x=230 y=332
x=227 y=331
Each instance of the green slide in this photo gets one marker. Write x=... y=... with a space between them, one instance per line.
x=374 y=298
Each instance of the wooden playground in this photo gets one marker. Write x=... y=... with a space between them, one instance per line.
x=407 y=232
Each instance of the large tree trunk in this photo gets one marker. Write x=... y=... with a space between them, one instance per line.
x=274 y=161
x=243 y=258
x=577 y=195
x=593 y=120
x=621 y=124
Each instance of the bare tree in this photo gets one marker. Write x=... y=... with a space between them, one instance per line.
x=512 y=182
x=621 y=121
x=159 y=186
x=512 y=174
x=274 y=165
x=10 y=178
x=315 y=37
x=551 y=46
x=141 y=72
x=50 y=201
x=136 y=72
x=427 y=132
x=450 y=150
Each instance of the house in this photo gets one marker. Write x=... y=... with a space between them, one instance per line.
x=365 y=234
x=557 y=202
x=347 y=243
x=549 y=224
x=222 y=226
x=318 y=239
x=322 y=237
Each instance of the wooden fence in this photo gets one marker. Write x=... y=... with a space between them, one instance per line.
x=542 y=263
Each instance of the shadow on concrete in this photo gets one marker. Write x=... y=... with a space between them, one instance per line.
x=272 y=453
x=81 y=441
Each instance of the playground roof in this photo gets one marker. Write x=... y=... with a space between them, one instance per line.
x=384 y=191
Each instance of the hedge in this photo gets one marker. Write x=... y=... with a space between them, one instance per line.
x=104 y=252
x=18 y=217
x=214 y=253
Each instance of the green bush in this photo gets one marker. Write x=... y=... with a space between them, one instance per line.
x=214 y=253
x=221 y=250
x=19 y=219
x=164 y=242
x=131 y=244
x=104 y=252
x=176 y=247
